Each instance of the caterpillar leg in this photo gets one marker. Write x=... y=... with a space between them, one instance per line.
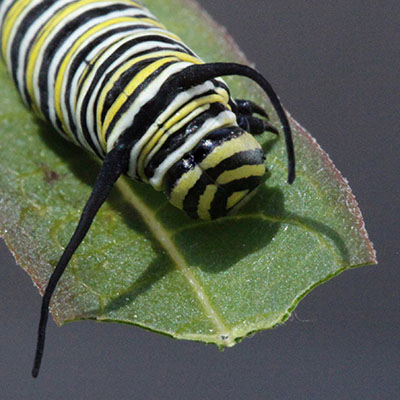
x=254 y=125
x=245 y=117
x=247 y=107
x=115 y=163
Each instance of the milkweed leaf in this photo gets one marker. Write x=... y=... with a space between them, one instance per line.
x=146 y=263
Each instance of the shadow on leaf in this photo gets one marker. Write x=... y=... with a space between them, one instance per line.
x=213 y=246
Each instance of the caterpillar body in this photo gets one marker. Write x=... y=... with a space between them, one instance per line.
x=110 y=77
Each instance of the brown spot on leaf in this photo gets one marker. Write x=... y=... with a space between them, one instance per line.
x=49 y=175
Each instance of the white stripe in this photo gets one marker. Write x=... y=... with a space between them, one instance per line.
x=28 y=37
x=3 y=7
x=224 y=118
x=146 y=95
x=172 y=108
x=76 y=104
x=50 y=37
x=174 y=128
x=137 y=49
x=90 y=115
x=13 y=32
x=61 y=52
x=78 y=73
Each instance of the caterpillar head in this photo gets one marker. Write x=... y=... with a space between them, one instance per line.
x=218 y=176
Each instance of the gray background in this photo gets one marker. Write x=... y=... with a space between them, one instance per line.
x=335 y=65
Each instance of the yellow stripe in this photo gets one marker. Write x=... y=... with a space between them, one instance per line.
x=128 y=90
x=12 y=16
x=134 y=83
x=124 y=67
x=89 y=67
x=173 y=129
x=46 y=30
x=234 y=198
x=182 y=122
x=98 y=56
x=228 y=149
x=179 y=115
x=205 y=201
x=245 y=171
x=185 y=183
x=70 y=54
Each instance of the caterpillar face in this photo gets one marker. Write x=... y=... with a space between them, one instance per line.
x=218 y=175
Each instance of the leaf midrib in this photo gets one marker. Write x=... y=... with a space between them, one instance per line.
x=164 y=238
x=222 y=334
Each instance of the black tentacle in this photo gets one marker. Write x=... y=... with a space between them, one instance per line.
x=195 y=74
x=115 y=163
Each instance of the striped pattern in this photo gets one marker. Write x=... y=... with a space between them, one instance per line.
x=95 y=69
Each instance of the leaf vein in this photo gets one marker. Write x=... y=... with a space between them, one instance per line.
x=164 y=238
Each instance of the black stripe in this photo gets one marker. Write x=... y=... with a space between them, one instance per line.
x=125 y=48
x=219 y=204
x=78 y=59
x=101 y=71
x=85 y=103
x=192 y=199
x=121 y=83
x=197 y=155
x=59 y=39
x=153 y=108
x=138 y=130
x=249 y=183
x=178 y=138
x=20 y=34
x=173 y=175
x=81 y=57
x=127 y=76
x=247 y=157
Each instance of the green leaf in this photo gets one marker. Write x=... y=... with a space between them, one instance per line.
x=146 y=263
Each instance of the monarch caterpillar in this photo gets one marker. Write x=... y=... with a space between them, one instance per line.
x=109 y=77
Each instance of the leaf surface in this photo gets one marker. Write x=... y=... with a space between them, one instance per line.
x=144 y=262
